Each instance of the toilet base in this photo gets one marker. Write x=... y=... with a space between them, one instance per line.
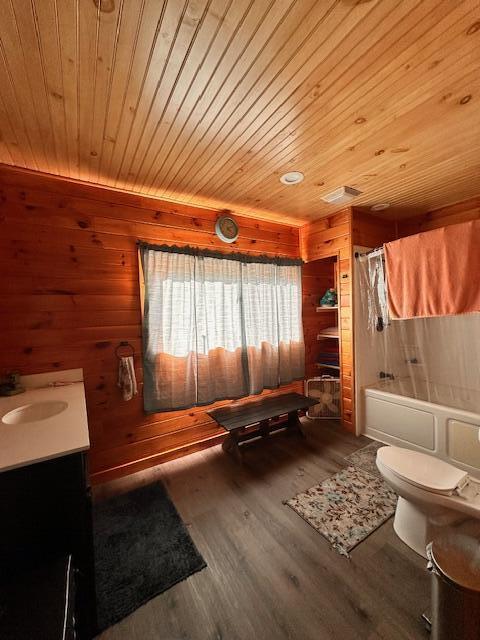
x=411 y=525
x=417 y=526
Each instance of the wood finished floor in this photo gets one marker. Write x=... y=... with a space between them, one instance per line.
x=270 y=576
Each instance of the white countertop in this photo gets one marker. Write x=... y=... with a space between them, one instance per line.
x=52 y=437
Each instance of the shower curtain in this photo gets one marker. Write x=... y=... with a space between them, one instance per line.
x=436 y=359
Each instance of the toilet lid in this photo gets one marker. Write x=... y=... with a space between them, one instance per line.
x=421 y=470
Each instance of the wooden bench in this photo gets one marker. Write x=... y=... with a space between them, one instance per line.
x=235 y=419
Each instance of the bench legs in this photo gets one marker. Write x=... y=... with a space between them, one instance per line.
x=264 y=428
x=231 y=443
x=230 y=446
x=294 y=424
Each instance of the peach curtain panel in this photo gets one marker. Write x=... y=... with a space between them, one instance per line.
x=217 y=327
x=435 y=273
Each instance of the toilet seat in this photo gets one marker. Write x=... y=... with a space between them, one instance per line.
x=432 y=494
x=421 y=470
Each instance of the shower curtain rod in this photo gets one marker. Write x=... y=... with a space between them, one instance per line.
x=378 y=250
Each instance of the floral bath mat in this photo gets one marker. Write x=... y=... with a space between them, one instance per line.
x=365 y=458
x=347 y=507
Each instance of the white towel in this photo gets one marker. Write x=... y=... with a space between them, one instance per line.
x=126 y=377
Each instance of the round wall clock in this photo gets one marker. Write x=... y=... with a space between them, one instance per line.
x=226 y=229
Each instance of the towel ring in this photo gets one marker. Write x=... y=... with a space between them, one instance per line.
x=122 y=345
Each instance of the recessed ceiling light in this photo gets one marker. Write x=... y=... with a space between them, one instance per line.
x=343 y=194
x=292 y=177
x=380 y=206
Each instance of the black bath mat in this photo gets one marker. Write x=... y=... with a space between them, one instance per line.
x=142 y=548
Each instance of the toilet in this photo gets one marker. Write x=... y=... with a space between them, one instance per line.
x=432 y=494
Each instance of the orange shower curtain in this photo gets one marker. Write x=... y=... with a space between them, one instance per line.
x=434 y=273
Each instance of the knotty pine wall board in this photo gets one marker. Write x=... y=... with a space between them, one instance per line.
x=325 y=238
x=70 y=293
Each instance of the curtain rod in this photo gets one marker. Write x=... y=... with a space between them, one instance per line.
x=378 y=250
x=209 y=253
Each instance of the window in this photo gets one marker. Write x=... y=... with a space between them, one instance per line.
x=218 y=326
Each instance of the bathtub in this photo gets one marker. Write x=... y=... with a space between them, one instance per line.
x=437 y=419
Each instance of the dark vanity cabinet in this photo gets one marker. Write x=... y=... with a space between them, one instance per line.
x=46 y=551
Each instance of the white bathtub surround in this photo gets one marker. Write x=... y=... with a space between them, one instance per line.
x=449 y=395
x=437 y=354
x=432 y=495
x=47 y=421
x=443 y=421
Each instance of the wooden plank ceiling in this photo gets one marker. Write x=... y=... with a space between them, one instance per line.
x=210 y=101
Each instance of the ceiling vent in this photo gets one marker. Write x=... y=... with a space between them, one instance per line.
x=343 y=194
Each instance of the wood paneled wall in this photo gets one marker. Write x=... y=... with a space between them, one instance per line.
x=370 y=231
x=325 y=238
x=460 y=212
x=69 y=294
x=336 y=235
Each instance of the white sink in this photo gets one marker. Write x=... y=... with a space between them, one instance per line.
x=34 y=412
x=47 y=421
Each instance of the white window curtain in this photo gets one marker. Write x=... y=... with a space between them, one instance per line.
x=218 y=327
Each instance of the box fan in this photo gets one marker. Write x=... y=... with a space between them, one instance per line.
x=327 y=390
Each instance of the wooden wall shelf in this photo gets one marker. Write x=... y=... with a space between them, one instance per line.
x=330 y=332
x=320 y=365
